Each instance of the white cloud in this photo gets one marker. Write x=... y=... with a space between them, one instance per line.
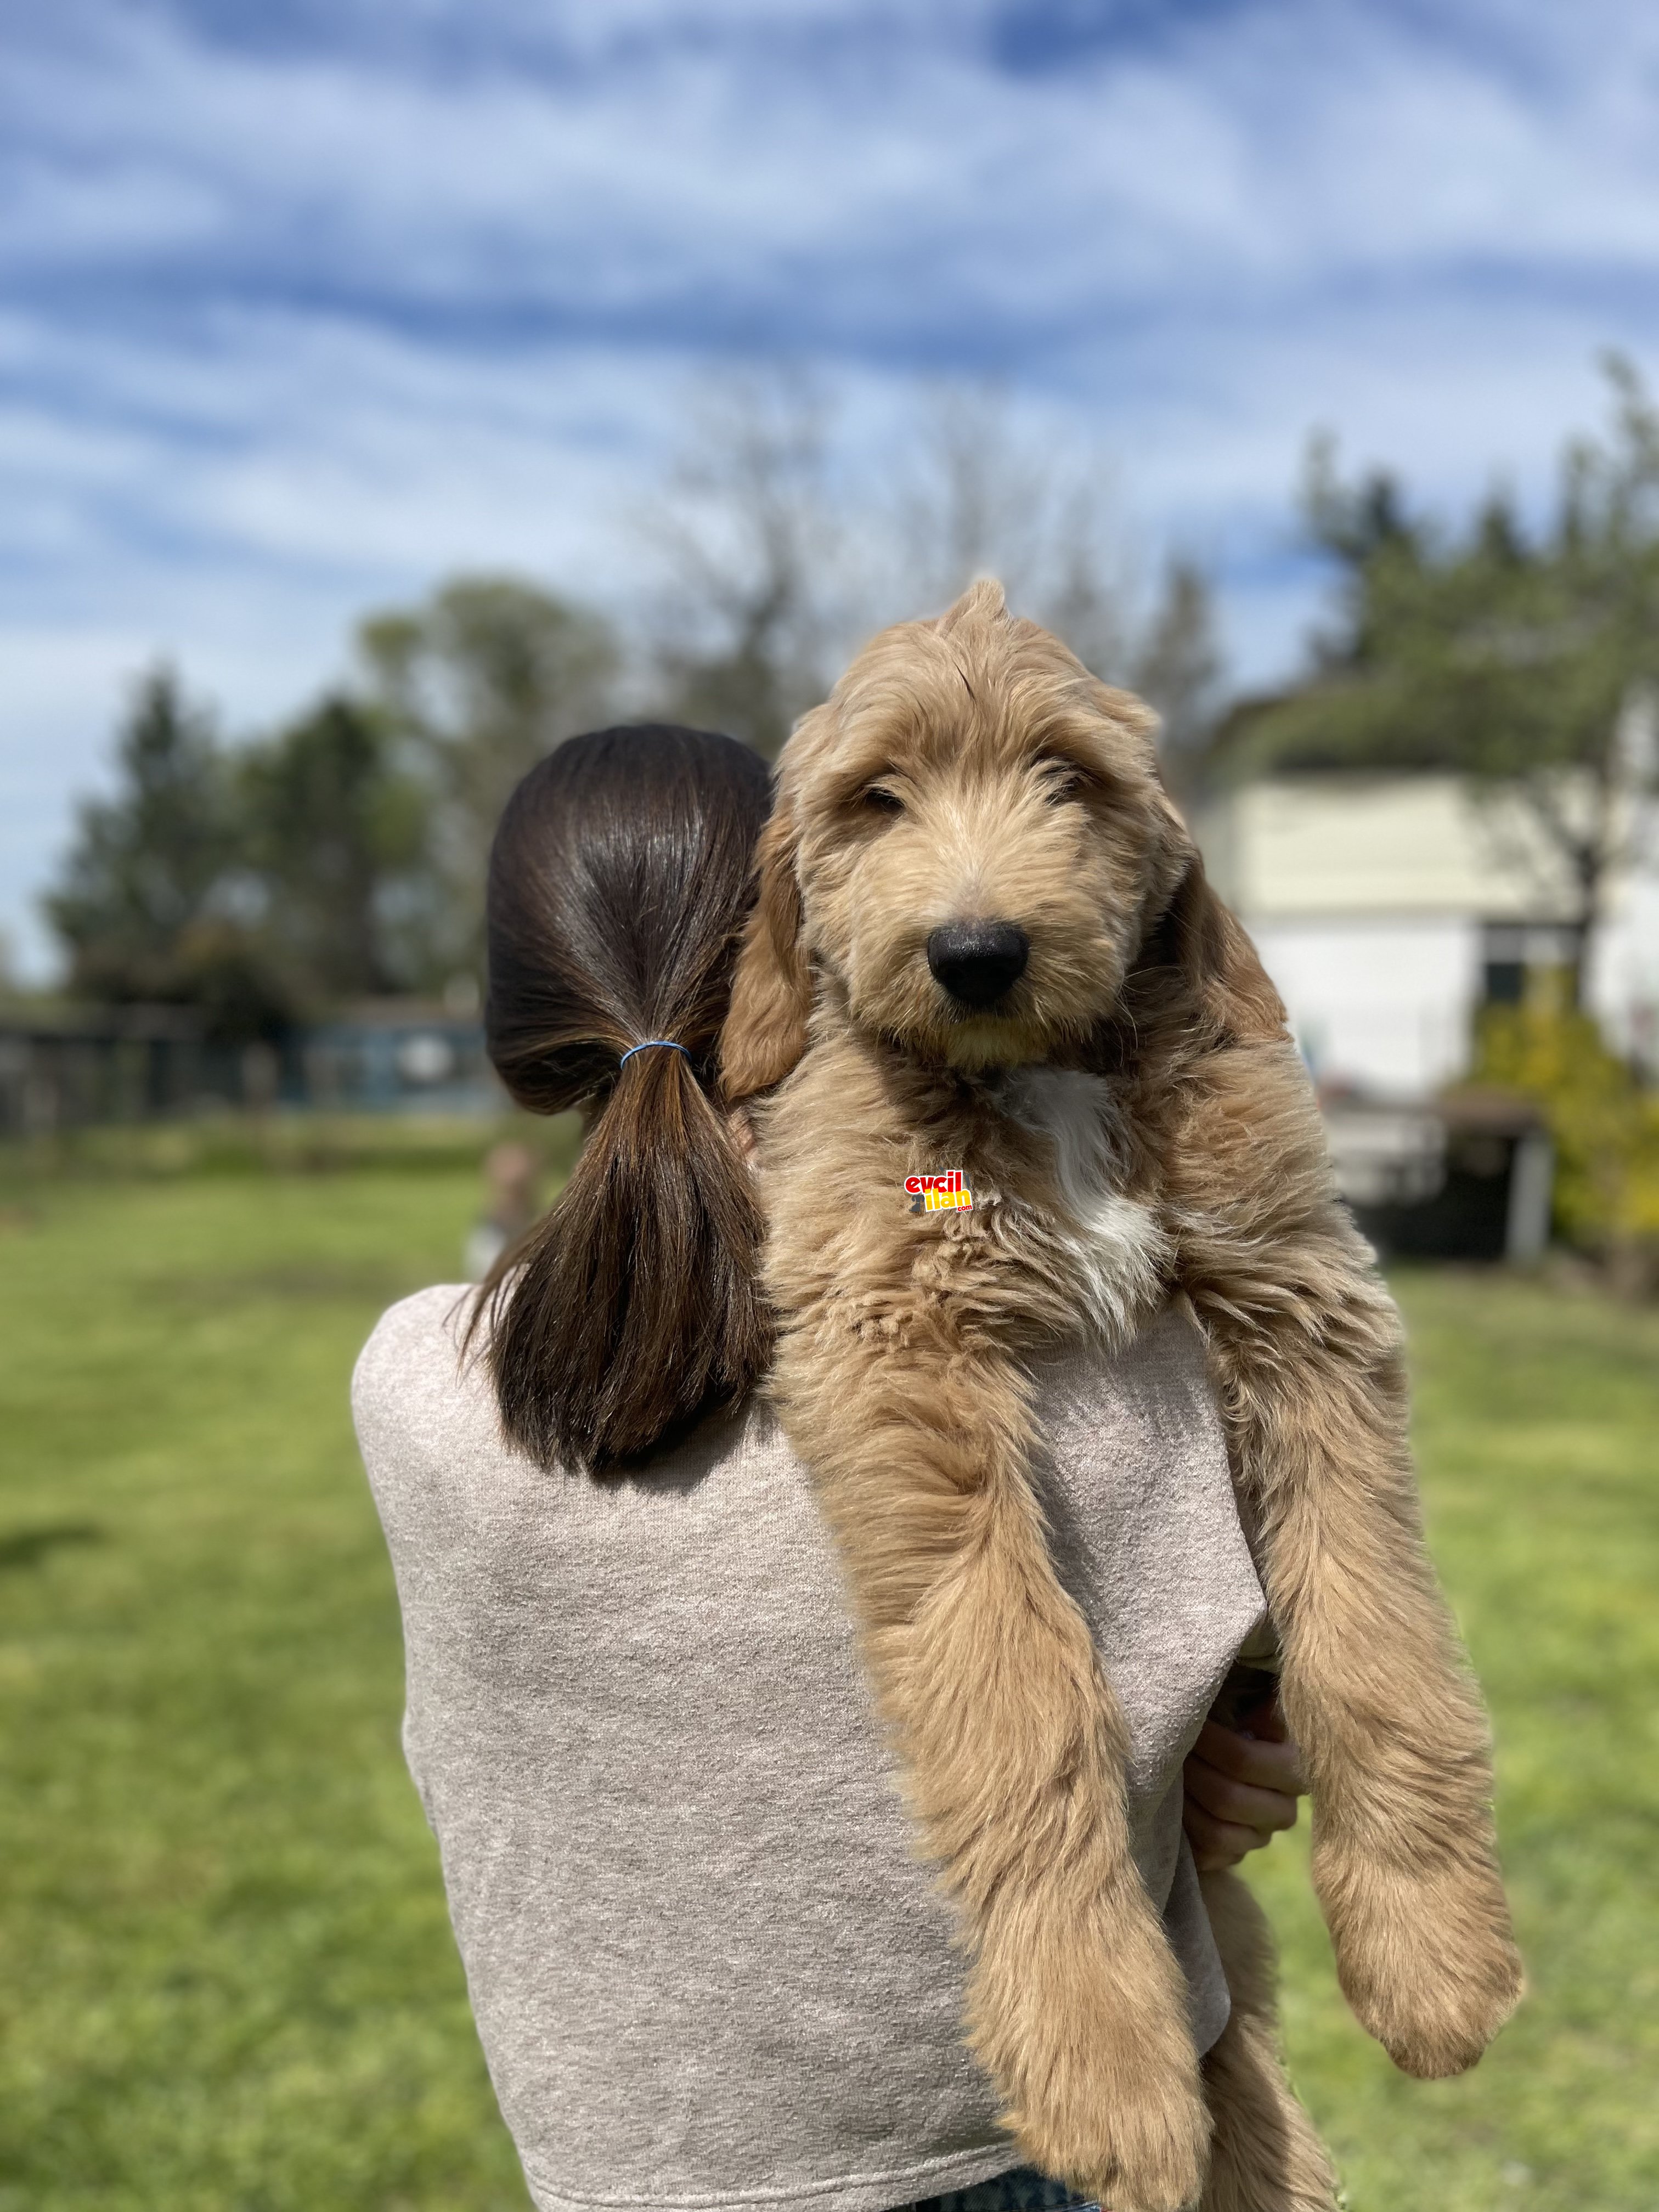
x=299 y=325
x=1292 y=144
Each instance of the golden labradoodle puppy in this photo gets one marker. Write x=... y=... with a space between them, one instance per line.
x=983 y=944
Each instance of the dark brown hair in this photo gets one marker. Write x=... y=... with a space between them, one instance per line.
x=619 y=882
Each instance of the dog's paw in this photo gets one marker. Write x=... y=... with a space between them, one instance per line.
x=1160 y=2149
x=1139 y=2144
x=1101 y=2080
x=1426 y=1956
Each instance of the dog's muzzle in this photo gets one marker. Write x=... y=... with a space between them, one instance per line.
x=978 y=962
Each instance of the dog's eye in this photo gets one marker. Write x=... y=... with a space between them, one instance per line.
x=881 y=798
x=1061 y=780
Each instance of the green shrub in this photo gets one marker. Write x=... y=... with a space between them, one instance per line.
x=1605 y=1125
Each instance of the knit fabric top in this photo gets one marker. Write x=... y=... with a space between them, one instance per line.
x=707 y=1967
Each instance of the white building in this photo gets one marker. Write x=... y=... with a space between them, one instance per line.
x=1388 y=909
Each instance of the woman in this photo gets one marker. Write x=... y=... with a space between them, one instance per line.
x=706 y=1967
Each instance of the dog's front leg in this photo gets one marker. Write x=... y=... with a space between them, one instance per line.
x=1013 y=1749
x=1306 y=1346
x=915 y=1423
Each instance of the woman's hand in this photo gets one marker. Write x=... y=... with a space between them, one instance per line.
x=1241 y=1788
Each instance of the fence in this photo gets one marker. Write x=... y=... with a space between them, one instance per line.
x=63 y=1067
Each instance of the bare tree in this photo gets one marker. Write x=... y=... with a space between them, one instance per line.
x=979 y=496
x=778 y=559
x=477 y=683
x=971 y=498
x=1177 y=667
x=750 y=533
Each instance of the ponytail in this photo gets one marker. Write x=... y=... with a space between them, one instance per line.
x=617 y=888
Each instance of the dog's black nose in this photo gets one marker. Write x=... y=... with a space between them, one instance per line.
x=978 y=962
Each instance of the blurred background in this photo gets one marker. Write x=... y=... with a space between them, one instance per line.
x=387 y=393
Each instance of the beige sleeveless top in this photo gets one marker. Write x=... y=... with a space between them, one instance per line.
x=706 y=1967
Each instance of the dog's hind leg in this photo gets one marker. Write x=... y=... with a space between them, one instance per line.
x=1265 y=2152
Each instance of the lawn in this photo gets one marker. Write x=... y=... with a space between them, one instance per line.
x=226 y=1975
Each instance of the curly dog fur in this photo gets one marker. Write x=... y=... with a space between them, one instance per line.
x=1132 y=1122
x=1264 y=2151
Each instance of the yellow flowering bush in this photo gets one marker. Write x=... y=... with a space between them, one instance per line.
x=1604 y=1123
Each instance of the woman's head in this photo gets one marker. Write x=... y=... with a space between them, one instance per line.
x=618 y=883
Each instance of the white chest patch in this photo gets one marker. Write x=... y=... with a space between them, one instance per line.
x=1112 y=1245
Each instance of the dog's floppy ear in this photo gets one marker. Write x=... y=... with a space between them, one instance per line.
x=1196 y=965
x=765 y=1031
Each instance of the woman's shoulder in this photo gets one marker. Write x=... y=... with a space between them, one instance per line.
x=421 y=1331
x=417 y=1380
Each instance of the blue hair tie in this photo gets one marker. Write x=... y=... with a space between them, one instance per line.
x=668 y=1043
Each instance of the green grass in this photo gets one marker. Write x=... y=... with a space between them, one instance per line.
x=226 y=1975
x=1538 y=1431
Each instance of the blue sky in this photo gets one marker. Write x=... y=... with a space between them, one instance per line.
x=306 y=304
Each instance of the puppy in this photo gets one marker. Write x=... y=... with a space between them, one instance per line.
x=982 y=941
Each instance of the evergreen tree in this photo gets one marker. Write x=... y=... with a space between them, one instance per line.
x=334 y=837
x=1524 y=661
x=148 y=907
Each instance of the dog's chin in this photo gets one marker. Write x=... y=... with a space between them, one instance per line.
x=976 y=1041
x=969 y=1044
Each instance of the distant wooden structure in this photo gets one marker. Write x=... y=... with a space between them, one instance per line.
x=393 y=1055
x=1468 y=1176
x=65 y=1065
